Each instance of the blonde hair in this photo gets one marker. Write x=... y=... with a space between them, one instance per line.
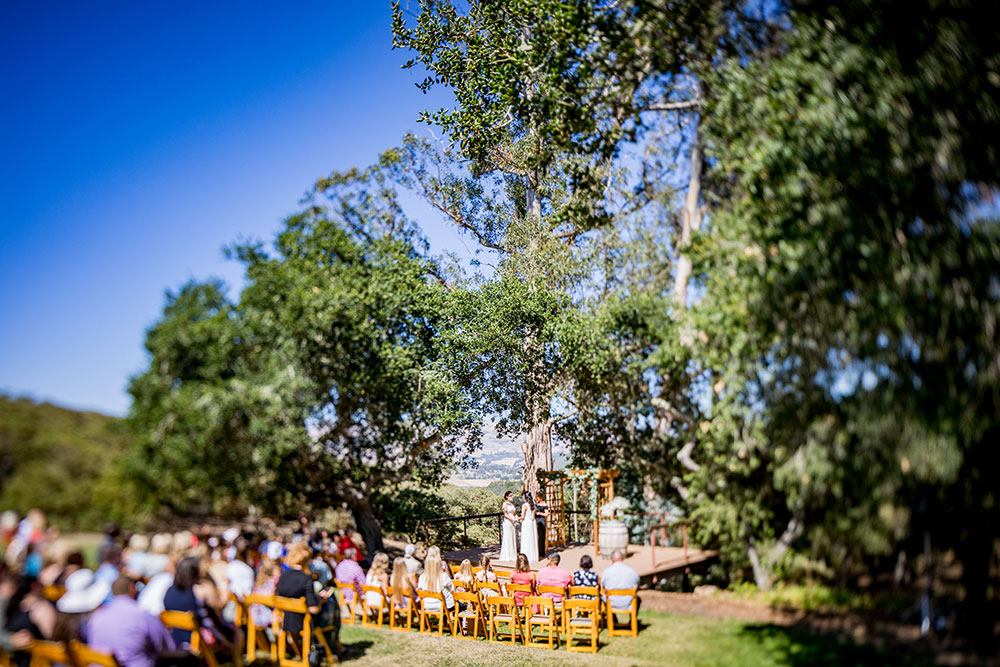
x=299 y=554
x=380 y=564
x=160 y=544
x=400 y=581
x=138 y=542
x=465 y=576
x=432 y=570
x=265 y=572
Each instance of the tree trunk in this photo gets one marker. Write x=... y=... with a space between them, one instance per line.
x=690 y=220
x=761 y=575
x=368 y=525
x=537 y=453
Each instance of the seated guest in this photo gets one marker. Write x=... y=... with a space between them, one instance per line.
x=155 y=590
x=415 y=567
x=28 y=614
x=553 y=575
x=296 y=582
x=134 y=636
x=158 y=555
x=486 y=572
x=464 y=579
x=197 y=593
x=264 y=584
x=404 y=586
x=83 y=595
x=136 y=556
x=522 y=574
x=436 y=580
x=320 y=568
x=585 y=576
x=619 y=576
x=349 y=572
x=11 y=642
x=378 y=576
x=239 y=574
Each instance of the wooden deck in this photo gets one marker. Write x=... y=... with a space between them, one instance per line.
x=650 y=563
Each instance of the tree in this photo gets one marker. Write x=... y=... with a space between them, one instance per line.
x=854 y=263
x=327 y=382
x=547 y=94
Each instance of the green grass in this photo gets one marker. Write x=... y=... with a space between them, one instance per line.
x=664 y=639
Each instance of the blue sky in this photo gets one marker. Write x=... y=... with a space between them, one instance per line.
x=139 y=138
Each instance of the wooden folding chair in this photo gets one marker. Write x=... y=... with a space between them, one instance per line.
x=4 y=658
x=84 y=655
x=46 y=654
x=520 y=588
x=488 y=589
x=546 y=618
x=348 y=610
x=632 y=611
x=558 y=604
x=395 y=611
x=185 y=620
x=367 y=609
x=300 y=645
x=443 y=615
x=454 y=569
x=582 y=619
x=256 y=636
x=503 y=610
x=473 y=611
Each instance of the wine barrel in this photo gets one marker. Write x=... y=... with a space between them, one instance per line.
x=612 y=534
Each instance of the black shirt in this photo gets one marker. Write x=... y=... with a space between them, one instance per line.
x=296 y=584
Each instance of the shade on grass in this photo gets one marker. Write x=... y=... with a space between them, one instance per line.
x=664 y=639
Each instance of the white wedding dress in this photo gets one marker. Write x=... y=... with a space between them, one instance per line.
x=508 y=546
x=529 y=534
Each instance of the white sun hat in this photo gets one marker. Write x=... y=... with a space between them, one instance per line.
x=83 y=593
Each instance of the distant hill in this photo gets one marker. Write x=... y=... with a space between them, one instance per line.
x=501 y=458
x=64 y=462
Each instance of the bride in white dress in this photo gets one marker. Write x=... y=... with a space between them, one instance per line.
x=529 y=531
x=508 y=544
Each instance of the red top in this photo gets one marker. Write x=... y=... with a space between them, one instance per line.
x=521 y=578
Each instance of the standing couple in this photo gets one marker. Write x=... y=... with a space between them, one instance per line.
x=529 y=532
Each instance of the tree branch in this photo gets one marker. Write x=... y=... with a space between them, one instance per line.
x=684 y=105
x=457 y=219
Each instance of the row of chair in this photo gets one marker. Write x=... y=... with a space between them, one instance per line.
x=73 y=654
x=498 y=613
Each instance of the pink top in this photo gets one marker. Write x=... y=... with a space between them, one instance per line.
x=520 y=578
x=553 y=576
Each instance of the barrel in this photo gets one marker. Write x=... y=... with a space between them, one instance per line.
x=612 y=534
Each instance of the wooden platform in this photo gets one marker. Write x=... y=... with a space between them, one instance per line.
x=668 y=560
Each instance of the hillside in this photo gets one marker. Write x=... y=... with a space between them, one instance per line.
x=62 y=461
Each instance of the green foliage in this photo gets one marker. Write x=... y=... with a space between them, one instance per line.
x=328 y=381
x=66 y=463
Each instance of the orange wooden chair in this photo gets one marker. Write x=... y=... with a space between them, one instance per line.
x=185 y=620
x=300 y=645
x=408 y=609
x=582 y=619
x=85 y=655
x=256 y=636
x=349 y=611
x=443 y=616
x=520 y=588
x=503 y=610
x=46 y=654
x=53 y=592
x=473 y=611
x=632 y=611
x=368 y=611
x=558 y=604
x=545 y=618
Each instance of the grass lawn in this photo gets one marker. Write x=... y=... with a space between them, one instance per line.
x=664 y=639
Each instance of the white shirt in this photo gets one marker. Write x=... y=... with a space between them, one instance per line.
x=240 y=576
x=151 y=597
x=619 y=576
x=447 y=586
